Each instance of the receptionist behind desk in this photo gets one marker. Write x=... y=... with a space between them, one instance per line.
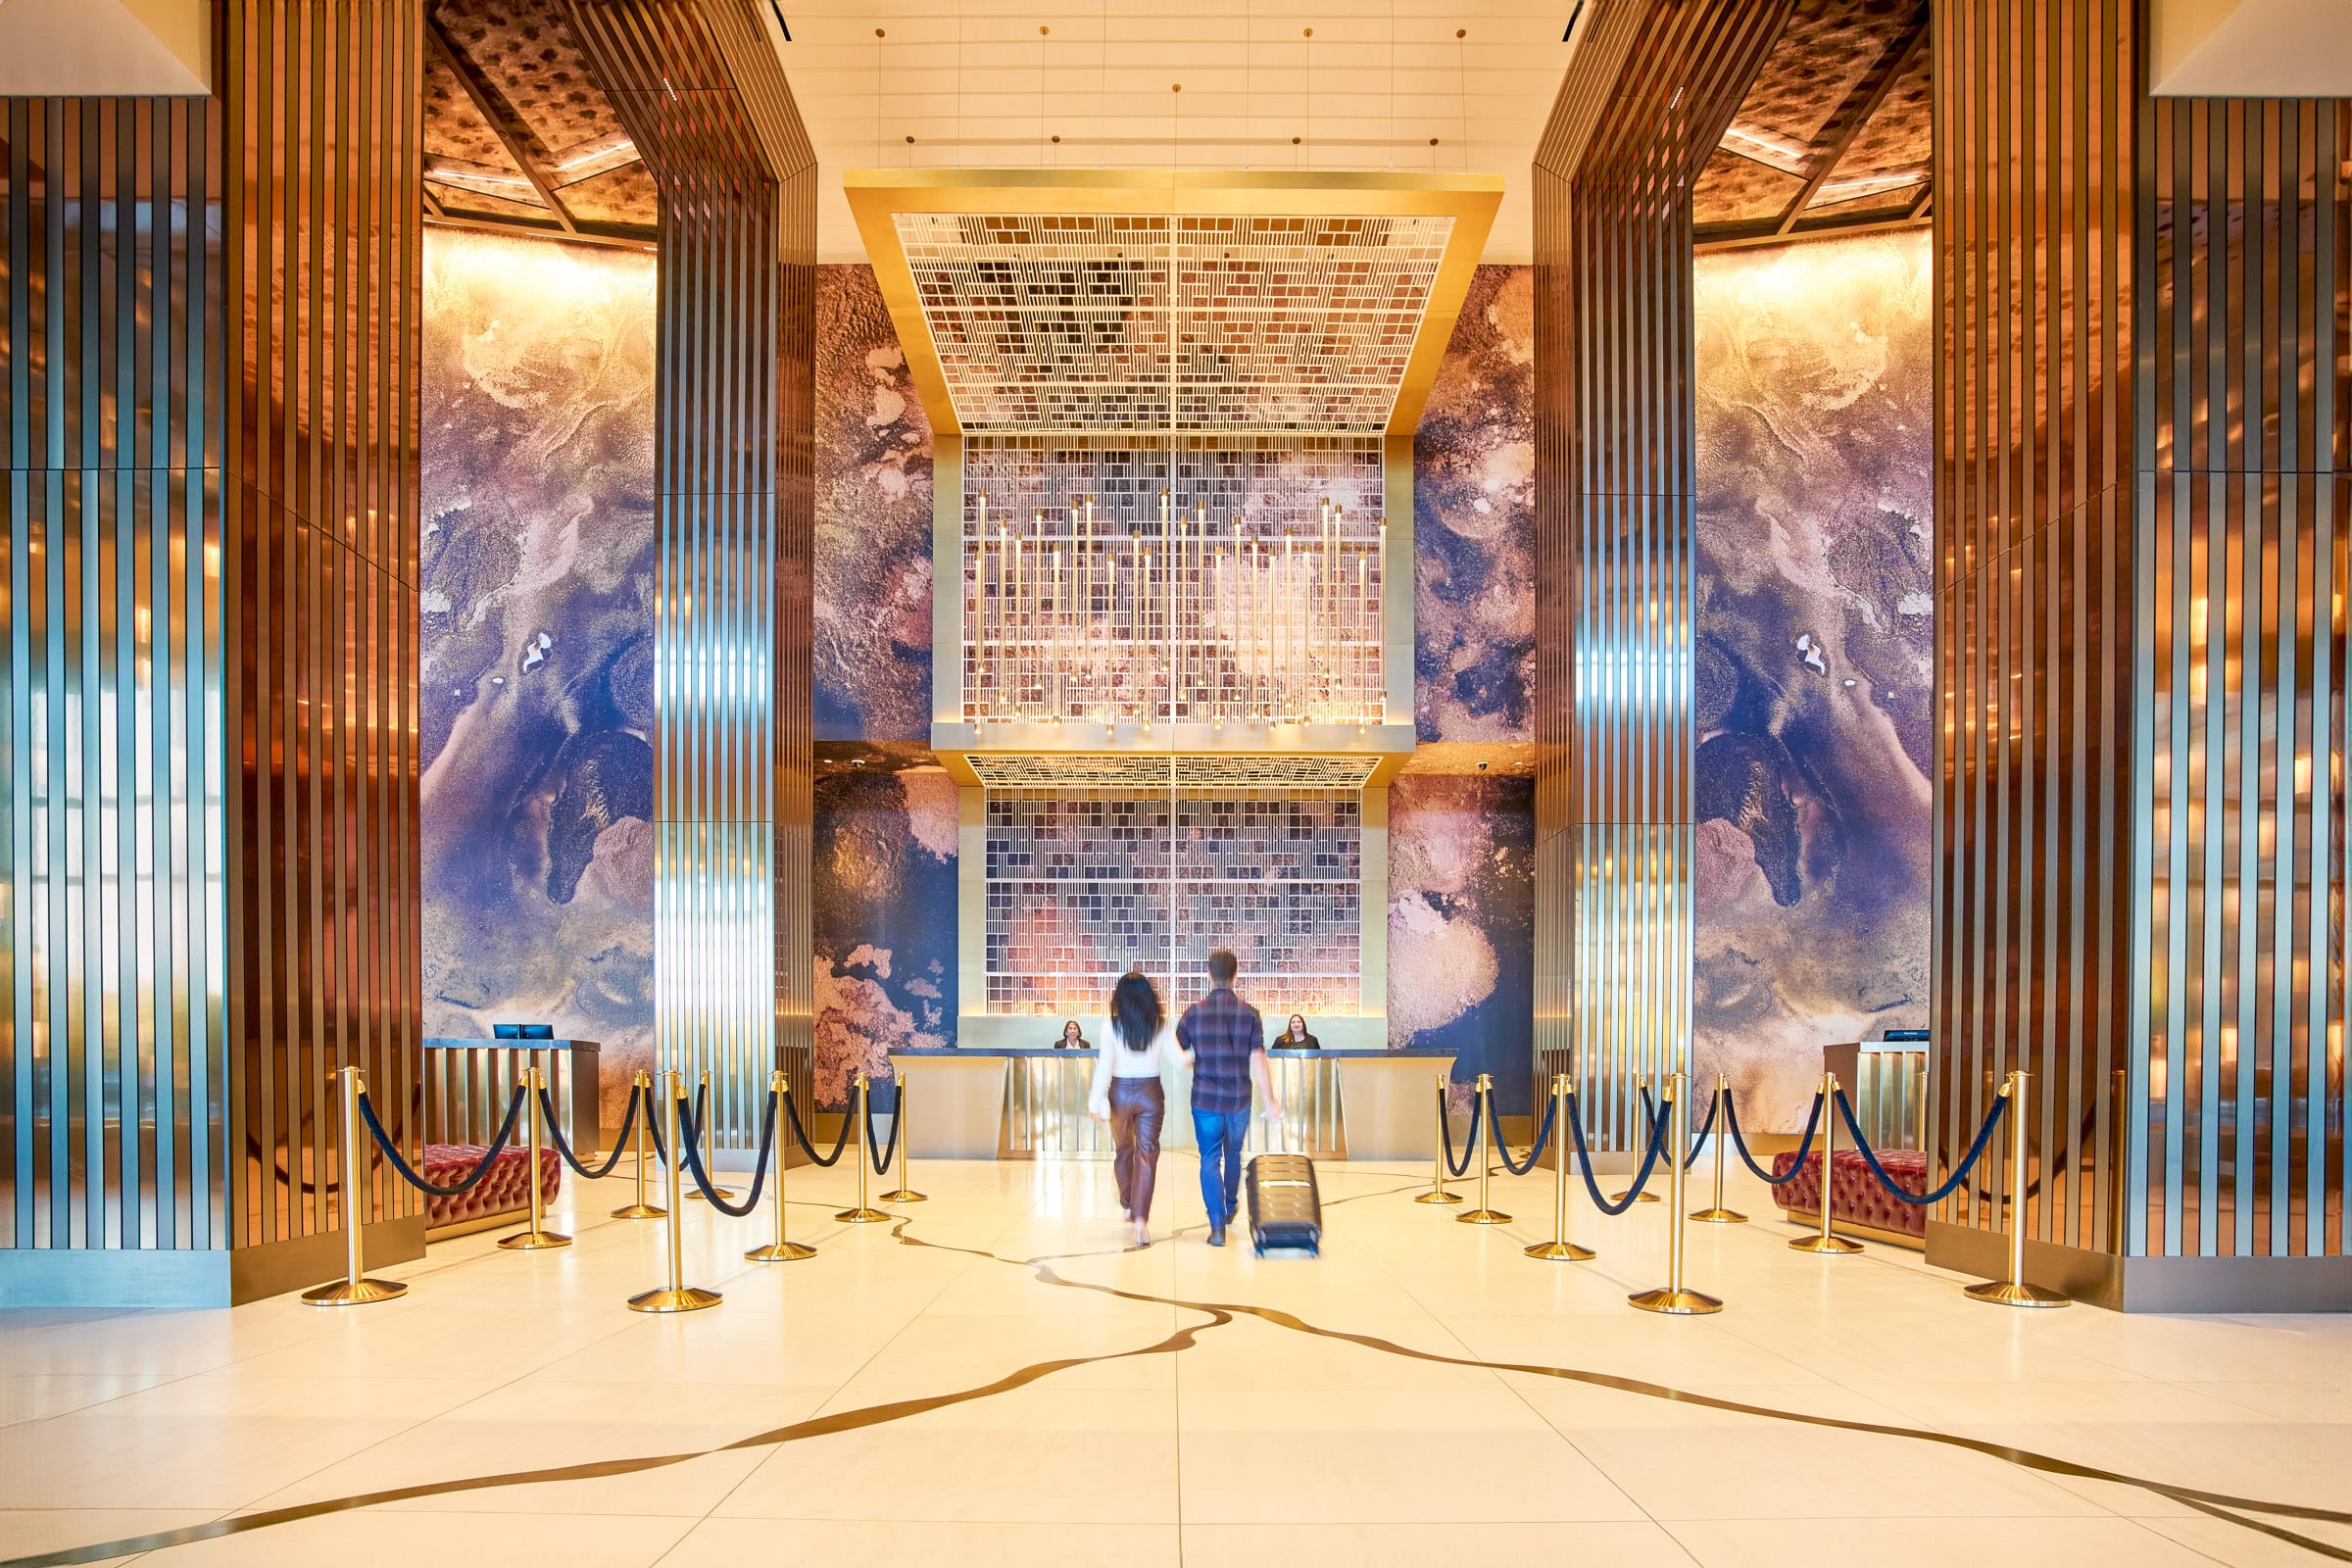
x=1073 y=1038
x=1294 y=1037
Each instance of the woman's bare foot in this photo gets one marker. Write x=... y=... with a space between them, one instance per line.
x=1143 y=1234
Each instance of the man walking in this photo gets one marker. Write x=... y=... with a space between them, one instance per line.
x=1225 y=1041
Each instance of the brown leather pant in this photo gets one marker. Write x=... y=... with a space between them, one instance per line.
x=1138 y=1106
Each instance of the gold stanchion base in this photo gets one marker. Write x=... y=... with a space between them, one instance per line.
x=640 y=1211
x=863 y=1216
x=1645 y=1198
x=686 y=1298
x=779 y=1252
x=1561 y=1253
x=1720 y=1216
x=1439 y=1197
x=533 y=1240
x=1679 y=1303
x=1831 y=1245
x=1482 y=1216
x=726 y=1192
x=903 y=1196
x=343 y=1292
x=2003 y=1294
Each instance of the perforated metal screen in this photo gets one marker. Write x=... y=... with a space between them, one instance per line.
x=1107 y=321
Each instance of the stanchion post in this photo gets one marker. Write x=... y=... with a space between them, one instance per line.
x=1715 y=1214
x=1825 y=1240
x=642 y=1089
x=538 y=1237
x=864 y=1213
x=355 y=1289
x=2014 y=1291
x=1560 y=1250
x=1436 y=1193
x=1646 y=1196
x=903 y=1193
x=1483 y=1213
x=702 y=1133
x=677 y=1295
x=1673 y=1297
x=781 y=1249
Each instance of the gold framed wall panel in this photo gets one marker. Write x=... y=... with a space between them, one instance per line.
x=698 y=87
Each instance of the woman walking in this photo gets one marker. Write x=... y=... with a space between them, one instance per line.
x=1128 y=1096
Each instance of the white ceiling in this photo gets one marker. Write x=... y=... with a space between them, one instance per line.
x=978 y=87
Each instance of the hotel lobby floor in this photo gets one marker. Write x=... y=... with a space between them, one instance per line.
x=996 y=1381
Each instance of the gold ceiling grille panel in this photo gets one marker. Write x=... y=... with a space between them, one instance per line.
x=1160 y=771
x=1190 y=324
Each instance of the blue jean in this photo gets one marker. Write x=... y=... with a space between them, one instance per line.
x=1219 y=1133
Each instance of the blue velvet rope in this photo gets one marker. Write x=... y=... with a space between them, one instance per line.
x=621 y=1145
x=1869 y=1156
x=1542 y=1136
x=653 y=1123
x=882 y=1166
x=690 y=1137
x=799 y=1135
x=1478 y=1115
x=407 y=1173
x=1812 y=1125
x=1699 y=1138
x=1633 y=1194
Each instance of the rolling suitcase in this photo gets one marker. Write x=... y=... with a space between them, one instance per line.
x=1286 y=1208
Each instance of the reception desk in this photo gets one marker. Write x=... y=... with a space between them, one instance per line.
x=1026 y=1103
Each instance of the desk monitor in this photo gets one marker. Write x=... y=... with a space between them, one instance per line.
x=523 y=1031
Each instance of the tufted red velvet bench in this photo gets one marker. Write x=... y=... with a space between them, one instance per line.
x=1855 y=1196
x=502 y=1193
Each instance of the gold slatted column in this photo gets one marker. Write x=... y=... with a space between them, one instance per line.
x=2141 y=515
x=208 y=678
x=1645 y=99
x=698 y=85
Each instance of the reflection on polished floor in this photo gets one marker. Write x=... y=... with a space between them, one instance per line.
x=1019 y=1389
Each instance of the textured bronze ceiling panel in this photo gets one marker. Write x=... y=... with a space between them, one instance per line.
x=525 y=50
x=1900 y=135
x=1822 y=54
x=1733 y=189
x=1836 y=123
x=544 y=102
x=625 y=195
x=452 y=128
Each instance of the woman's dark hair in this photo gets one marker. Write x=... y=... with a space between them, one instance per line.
x=1135 y=1012
x=1299 y=1018
x=1070 y=1025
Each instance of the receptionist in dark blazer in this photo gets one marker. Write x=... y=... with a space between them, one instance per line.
x=1293 y=1036
x=1073 y=1038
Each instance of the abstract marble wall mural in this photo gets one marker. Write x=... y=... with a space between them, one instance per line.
x=1461 y=926
x=536 y=672
x=1474 y=470
x=873 y=522
x=883 y=901
x=1815 y=657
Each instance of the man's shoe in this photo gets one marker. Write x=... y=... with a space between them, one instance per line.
x=1216 y=1236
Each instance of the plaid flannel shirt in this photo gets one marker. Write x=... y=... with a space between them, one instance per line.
x=1221 y=1030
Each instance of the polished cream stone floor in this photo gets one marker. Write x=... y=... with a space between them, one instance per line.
x=1000 y=1381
